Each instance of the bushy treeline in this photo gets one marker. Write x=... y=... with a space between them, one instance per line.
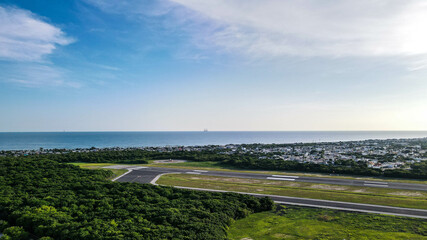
x=44 y=199
x=127 y=156
x=99 y=156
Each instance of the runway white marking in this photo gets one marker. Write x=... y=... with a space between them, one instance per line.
x=284 y=176
x=281 y=179
x=192 y=173
x=385 y=183
x=200 y=171
x=374 y=185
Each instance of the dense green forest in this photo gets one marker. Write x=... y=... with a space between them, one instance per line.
x=126 y=156
x=248 y=161
x=122 y=156
x=44 y=199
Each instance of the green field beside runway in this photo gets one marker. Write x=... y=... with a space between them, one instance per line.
x=366 y=195
x=311 y=223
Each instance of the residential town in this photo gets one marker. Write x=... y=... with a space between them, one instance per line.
x=380 y=154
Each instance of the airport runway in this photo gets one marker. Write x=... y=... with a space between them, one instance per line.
x=151 y=174
x=145 y=175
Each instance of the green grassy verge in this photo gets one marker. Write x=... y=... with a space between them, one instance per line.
x=310 y=223
x=211 y=165
x=93 y=165
x=368 y=195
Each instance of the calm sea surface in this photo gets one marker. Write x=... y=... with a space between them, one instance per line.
x=28 y=140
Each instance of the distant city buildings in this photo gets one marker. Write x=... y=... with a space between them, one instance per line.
x=377 y=154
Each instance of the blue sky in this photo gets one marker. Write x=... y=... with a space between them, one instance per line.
x=136 y=65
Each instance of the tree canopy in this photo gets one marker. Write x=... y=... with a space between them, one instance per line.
x=49 y=200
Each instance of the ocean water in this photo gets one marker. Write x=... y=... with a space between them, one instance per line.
x=69 y=140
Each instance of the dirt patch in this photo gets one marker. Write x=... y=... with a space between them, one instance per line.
x=360 y=191
x=326 y=218
x=283 y=183
x=328 y=187
x=407 y=194
x=282 y=236
x=117 y=167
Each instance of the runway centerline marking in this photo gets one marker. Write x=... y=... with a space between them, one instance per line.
x=375 y=185
x=284 y=176
x=281 y=179
x=369 y=182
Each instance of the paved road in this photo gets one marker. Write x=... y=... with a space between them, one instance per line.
x=151 y=174
x=145 y=175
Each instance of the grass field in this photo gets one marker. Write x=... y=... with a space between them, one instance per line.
x=310 y=223
x=368 y=195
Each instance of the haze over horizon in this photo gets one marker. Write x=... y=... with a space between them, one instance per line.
x=196 y=131
x=186 y=65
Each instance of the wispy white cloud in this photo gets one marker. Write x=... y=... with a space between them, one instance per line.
x=305 y=28
x=36 y=75
x=317 y=28
x=135 y=7
x=25 y=39
x=25 y=36
x=107 y=67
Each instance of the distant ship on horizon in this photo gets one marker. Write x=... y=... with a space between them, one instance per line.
x=205 y=130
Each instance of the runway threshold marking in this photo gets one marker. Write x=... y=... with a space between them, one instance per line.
x=281 y=179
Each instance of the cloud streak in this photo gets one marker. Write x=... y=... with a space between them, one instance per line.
x=134 y=7
x=305 y=28
x=316 y=28
x=26 y=37
x=36 y=75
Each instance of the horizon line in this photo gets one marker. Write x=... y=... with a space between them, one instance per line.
x=112 y=131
